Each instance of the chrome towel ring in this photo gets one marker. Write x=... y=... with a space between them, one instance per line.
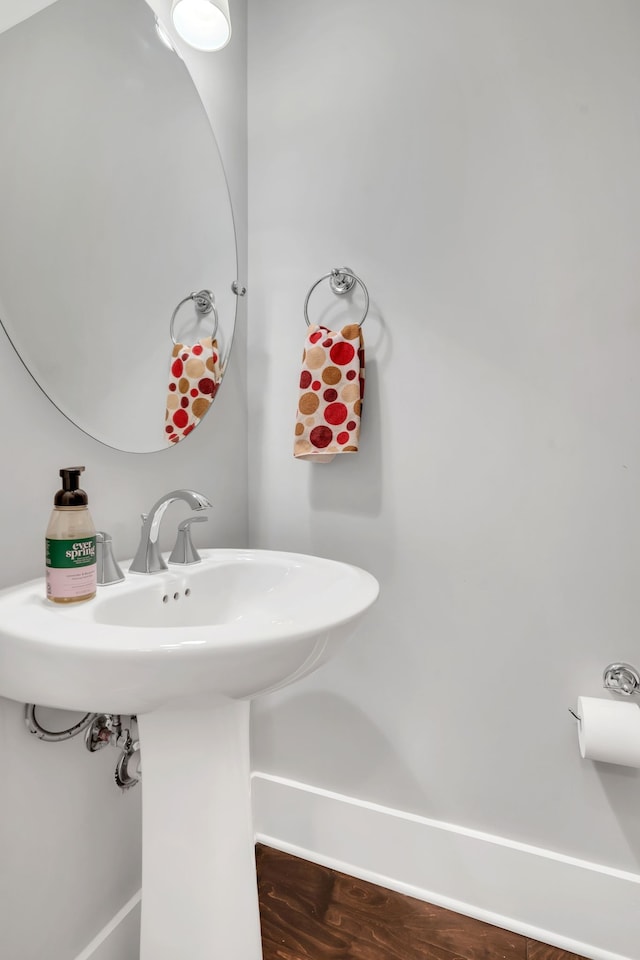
x=204 y=302
x=341 y=280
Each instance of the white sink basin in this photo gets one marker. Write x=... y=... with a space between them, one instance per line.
x=186 y=650
x=237 y=624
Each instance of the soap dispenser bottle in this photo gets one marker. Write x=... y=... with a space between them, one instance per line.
x=71 y=543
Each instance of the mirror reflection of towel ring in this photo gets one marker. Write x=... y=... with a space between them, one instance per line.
x=204 y=302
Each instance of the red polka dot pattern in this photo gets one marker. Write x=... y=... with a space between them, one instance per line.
x=328 y=420
x=195 y=376
x=180 y=418
x=342 y=353
x=335 y=413
x=321 y=437
x=207 y=386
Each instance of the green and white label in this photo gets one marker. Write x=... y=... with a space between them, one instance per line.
x=71 y=554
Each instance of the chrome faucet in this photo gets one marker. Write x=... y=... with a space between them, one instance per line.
x=107 y=567
x=148 y=558
x=184 y=552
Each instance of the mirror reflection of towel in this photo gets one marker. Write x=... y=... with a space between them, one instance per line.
x=330 y=394
x=194 y=380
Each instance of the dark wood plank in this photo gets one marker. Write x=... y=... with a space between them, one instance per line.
x=540 y=951
x=409 y=928
x=293 y=901
x=309 y=912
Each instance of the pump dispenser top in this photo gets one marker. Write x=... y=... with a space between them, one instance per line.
x=71 y=495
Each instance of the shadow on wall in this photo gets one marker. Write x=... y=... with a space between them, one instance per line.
x=349 y=519
x=329 y=742
x=621 y=785
x=352 y=483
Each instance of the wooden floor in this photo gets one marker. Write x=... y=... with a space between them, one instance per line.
x=310 y=912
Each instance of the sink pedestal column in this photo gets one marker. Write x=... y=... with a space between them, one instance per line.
x=199 y=890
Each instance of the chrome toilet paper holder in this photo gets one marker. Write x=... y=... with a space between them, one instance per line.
x=621 y=678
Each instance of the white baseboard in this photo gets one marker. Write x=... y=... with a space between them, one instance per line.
x=584 y=908
x=120 y=938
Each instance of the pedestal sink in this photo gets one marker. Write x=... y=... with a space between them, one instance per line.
x=186 y=650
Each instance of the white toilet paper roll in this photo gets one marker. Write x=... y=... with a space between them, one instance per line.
x=609 y=730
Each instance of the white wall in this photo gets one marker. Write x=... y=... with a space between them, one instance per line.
x=478 y=165
x=14 y=11
x=69 y=842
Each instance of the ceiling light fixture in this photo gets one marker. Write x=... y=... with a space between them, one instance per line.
x=203 y=24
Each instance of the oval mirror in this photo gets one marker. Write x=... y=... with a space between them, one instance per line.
x=114 y=209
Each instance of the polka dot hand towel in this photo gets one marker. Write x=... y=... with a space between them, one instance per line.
x=194 y=380
x=331 y=392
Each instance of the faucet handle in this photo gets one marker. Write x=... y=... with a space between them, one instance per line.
x=183 y=549
x=107 y=568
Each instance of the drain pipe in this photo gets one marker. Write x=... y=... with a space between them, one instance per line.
x=128 y=768
x=102 y=730
x=107 y=730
